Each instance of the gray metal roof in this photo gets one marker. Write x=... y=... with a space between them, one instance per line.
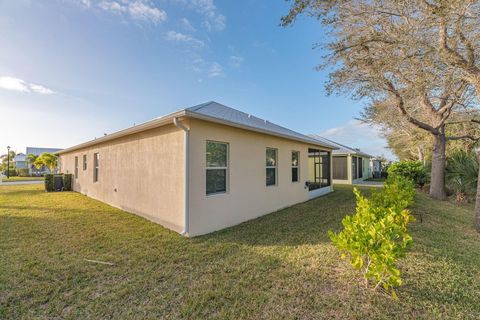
x=213 y=112
x=20 y=157
x=38 y=151
x=221 y=112
x=340 y=148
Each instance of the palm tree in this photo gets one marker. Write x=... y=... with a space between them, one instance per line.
x=31 y=159
x=48 y=160
x=461 y=174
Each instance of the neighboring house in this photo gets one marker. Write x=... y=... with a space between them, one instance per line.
x=20 y=161
x=38 y=151
x=201 y=169
x=350 y=165
x=376 y=167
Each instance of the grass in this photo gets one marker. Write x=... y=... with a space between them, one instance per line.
x=280 y=266
x=16 y=178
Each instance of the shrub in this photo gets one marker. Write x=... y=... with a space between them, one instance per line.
x=67 y=182
x=10 y=173
x=376 y=236
x=49 y=183
x=413 y=170
x=24 y=172
x=461 y=175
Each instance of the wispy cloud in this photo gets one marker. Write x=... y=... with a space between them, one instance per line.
x=212 y=19
x=16 y=84
x=236 y=61
x=139 y=10
x=186 y=25
x=185 y=38
x=216 y=70
x=357 y=134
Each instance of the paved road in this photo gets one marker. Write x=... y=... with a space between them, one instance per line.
x=13 y=183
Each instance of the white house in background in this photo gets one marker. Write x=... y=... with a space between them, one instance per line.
x=376 y=167
x=349 y=165
x=201 y=169
x=21 y=161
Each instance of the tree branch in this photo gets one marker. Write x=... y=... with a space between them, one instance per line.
x=465 y=137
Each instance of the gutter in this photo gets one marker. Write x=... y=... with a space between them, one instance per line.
x=186 y=145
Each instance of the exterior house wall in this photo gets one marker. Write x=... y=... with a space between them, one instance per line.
x=142 y=173
x=247 y=195
x=21 y=164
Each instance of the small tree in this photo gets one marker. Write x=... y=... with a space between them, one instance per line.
x=48 y=160
x=376 y=236
x=31 y=159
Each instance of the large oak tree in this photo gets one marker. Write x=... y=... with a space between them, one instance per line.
x=403 y=54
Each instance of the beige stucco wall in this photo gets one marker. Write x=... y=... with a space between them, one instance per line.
x=247 y=195
x=142 y=173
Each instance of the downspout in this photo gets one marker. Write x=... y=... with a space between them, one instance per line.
x=186 y=142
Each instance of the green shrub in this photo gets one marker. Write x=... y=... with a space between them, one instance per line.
x=23 y=172
x=67 y=182
x=461 y=175
x=49 y=183
x=376 y=236
x=10 y=173
x=413 y=170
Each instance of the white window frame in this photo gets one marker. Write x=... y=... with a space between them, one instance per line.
x=272 y=167
x=227 y=174
x=297 y=166
x=84 y=162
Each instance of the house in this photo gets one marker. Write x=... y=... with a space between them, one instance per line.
x=376 y=167
x=22 y=162
x=349 y=165
x=201 y=169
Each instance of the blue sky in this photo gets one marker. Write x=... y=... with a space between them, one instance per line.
x=72 y=70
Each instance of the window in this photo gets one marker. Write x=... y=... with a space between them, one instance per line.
x=217 y=167
x=271 y=166
x=96 y=160
x=76 y=167
x=84 y=162
x=295 y=165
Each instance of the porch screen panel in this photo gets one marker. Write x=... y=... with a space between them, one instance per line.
x=321 y=169
x=354 y=168
x=360 y=167
x=340 y=169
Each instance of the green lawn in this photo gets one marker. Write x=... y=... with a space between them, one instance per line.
x=280 y=266
x=12 y=179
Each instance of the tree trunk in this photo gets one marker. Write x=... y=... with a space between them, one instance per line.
x=437 y=179
x=477 y=201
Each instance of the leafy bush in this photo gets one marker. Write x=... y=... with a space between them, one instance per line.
x=11 y=173
x=376 y=236
x=67 y=182
x=461 y=175
x=23 y=172
x=49 y=183
x=413 y=170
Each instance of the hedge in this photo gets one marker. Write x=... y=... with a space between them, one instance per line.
x=50 y=182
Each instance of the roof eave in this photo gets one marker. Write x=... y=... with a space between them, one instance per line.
x=135 y=129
